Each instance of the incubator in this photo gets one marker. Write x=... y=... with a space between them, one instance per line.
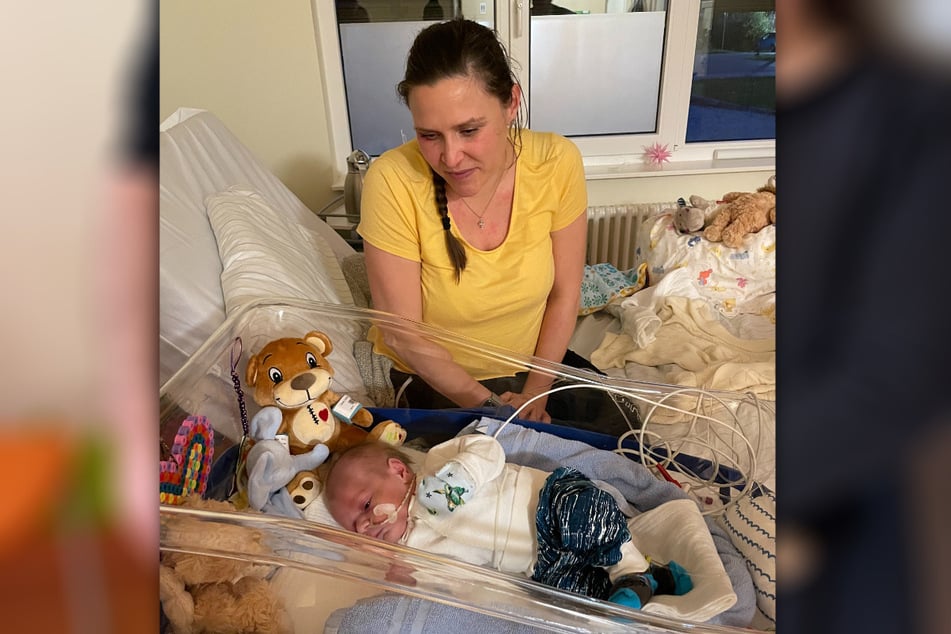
x=328 y=577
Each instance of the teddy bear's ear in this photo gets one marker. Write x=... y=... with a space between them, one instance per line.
x=251 y=374
x=320 y=341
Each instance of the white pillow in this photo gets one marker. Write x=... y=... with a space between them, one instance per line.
x=264 y=254
x=751 y=525
x=199 y=157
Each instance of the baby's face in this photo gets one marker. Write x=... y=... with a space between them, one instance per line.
x=358 y=487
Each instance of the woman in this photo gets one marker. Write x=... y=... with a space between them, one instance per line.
x=476 y=226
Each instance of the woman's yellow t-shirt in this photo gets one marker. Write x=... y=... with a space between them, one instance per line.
x=501 y=296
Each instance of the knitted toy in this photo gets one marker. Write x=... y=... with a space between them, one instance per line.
x=201 y=593
x=743 y=213
x=186 y=469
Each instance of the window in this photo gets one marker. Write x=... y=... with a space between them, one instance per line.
x=613 y=75
x=733 y=93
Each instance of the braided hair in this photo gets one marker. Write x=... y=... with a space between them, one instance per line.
x=457 y=252
x=459 y=48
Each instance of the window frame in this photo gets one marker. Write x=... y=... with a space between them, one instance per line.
x=615 y=156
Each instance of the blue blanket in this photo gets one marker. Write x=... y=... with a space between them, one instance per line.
x=547 y=452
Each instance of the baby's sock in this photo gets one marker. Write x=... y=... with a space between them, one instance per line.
x=670 y=578
x=632 y=590
x=635 y=590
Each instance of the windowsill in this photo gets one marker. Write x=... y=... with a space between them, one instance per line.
x=678 y=168
x=637 y=169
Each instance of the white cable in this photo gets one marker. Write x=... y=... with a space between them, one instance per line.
x=748 y=483
x=399 y=394
x=646 y=455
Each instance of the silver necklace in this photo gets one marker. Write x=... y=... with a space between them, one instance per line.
x=481 y=217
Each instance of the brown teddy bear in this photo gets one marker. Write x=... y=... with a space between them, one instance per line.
x=201 y=593
x=743 y=213
x=294 y=375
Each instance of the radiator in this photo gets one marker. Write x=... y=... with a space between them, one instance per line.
x=612 y=232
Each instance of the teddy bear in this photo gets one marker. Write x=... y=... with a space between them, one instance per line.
x=294 y=375
x=300 y=422
x=200 y=593
x=743 y=213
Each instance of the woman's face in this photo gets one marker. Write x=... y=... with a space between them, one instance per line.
x=463 y=132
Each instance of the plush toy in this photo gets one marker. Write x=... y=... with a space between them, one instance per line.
x=279 y=482
x=300 y=422
x=692 y=217
x=294 y=375
x=201 y=593
x=708 y=207
x=743 y=213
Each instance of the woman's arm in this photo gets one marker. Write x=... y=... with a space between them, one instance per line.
x=561 y=313
x=396 y=288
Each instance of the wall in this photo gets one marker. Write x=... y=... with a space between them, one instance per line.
x=255 y=65
x=649 y=189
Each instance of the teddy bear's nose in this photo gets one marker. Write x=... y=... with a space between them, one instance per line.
x=303 y=381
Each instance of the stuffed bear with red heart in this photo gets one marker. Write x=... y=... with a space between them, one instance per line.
x=294 y=375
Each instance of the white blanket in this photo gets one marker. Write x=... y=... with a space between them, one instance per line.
x=678 y=339
x=691 y=347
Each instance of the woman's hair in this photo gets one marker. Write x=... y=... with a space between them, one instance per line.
x=459 y=48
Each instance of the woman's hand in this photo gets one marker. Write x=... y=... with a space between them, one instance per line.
x=534 y=411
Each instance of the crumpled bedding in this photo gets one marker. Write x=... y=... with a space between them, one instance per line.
x=670 y=334
x=706 y=319
x=691 y=347
x=731 y=280
x=548 y=452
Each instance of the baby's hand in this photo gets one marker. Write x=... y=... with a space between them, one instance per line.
x=445 y=491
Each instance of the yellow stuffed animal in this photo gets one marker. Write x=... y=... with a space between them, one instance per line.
x=743 y=213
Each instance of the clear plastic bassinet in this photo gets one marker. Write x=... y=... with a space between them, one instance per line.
x=712 y=441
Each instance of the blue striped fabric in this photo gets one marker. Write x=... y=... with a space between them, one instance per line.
x=751 y=525
x=580 y=530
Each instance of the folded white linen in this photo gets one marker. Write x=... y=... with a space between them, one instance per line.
x=676 y=531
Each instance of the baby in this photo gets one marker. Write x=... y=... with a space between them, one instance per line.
x=557 y=528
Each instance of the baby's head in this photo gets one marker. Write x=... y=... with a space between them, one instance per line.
x=367 y=489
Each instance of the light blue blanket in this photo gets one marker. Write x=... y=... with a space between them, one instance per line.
x=547 y=452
